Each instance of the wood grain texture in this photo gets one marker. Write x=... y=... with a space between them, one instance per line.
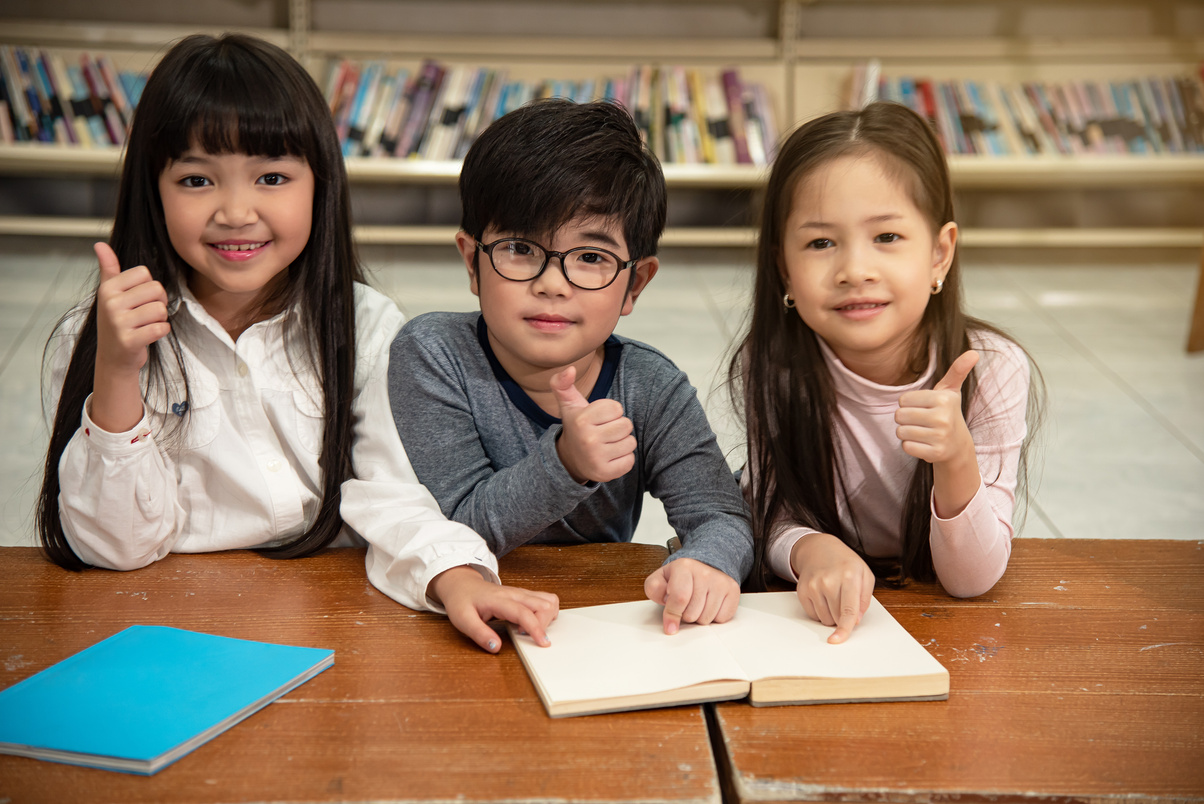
x=1079 y=677
x=411 y=710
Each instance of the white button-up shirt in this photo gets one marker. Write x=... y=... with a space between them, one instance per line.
x=233 y=463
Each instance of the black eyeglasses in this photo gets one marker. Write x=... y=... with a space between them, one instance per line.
x=584 y=267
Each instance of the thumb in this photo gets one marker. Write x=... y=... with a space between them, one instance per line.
x=109 y=266
x=957 y=373
x=567 y=394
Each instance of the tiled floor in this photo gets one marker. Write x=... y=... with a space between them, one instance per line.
x=1122 y=454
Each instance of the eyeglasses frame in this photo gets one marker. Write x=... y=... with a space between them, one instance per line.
x=548 y=255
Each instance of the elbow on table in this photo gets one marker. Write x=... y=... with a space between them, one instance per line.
x=110 y=558
x=970 y=587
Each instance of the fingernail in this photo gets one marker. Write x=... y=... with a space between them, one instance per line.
x=671 y=629
x=493 y=644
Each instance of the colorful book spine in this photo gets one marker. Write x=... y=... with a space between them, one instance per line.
x=734 y=94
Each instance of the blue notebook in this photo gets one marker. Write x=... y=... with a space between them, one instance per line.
x=146 y=696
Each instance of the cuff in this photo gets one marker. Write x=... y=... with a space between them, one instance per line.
x=777 y=553
x=137 y=438
x=552 y=464
x=965 y=512
x=441 y=565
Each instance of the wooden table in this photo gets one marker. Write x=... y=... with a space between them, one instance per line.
x=1079 y=677
x=411 y=711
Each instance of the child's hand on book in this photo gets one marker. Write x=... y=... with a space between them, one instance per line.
x=471 y=601
x=931 y=425
x=834 y=585
x=692 y=592
x=596 y=443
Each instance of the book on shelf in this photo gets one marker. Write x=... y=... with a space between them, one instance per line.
x=146 y=696
x=617 y=657
x=684 y=115
x=43 y=98
x=1142 y=115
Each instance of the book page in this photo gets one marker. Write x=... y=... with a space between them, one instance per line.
x=772 y=637
x=621 y=650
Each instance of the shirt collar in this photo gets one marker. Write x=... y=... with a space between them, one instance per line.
x=867 y=393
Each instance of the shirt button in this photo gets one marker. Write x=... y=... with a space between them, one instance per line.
x=242 y=369
x=274 y=465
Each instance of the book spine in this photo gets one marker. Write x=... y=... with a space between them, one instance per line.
x=109 y=74
x=735 y=115
x=419 y=107
x=40 y=123
x=108 y=113
x=398 y=107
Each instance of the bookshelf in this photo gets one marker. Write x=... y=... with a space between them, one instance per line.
x=803 y=52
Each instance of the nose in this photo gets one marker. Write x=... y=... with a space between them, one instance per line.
x=855 y=265
x=552 y=281
x=235 y=208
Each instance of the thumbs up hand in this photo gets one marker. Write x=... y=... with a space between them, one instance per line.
x=931 y=425
x=596 y=443
x=131 y=314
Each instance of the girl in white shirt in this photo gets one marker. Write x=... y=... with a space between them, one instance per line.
x=227 y=389
x=886 y=427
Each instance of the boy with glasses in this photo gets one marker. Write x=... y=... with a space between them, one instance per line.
x=531 y=422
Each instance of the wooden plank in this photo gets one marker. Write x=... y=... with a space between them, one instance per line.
x=1073 y=237
x=110 y=35
x=968 y=50
x=1195 y=334
x=1078 y=677
x=622 y=51
x=411 y=711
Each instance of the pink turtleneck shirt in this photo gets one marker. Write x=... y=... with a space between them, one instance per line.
x=969 y=551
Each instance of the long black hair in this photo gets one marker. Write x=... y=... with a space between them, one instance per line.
x=777 y=373
x=231 y=94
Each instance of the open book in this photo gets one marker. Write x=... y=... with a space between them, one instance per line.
x=146 y=696
x=617 y=657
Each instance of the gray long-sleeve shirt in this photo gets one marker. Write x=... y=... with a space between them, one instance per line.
x=488 y=454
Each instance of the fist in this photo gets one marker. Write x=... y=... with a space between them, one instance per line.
x=131 y=313
x=930 y=423
x=596 y=443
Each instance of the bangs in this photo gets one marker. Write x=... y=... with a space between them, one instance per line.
x=230 y=100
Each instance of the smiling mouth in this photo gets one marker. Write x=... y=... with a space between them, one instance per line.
x=862 y=306
x=238 y=246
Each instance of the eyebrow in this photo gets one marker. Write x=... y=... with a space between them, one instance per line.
x=203 y=157
x=602 y=236
x=890 y=216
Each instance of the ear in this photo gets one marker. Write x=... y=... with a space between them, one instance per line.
x=943 y=251
x=467 y=245
x=645 y=269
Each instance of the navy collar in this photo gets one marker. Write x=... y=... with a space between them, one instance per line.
x=610 y=364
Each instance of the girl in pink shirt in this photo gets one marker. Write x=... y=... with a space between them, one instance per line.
x=886 y=427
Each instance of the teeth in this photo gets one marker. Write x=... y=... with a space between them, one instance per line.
x=869 y=306
x=239 y=246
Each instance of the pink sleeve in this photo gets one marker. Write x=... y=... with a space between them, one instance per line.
x=782 y=538
x=777 y=552
x=970 y=551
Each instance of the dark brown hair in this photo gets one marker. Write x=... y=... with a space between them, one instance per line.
x=539 y=167
x=777 y=373
x=233 y=94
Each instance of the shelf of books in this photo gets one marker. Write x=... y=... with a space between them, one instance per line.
x=1012 y=114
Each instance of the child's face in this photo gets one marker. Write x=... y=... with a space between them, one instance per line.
x=541 y=326
x=239 y=221
x=860 y=261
